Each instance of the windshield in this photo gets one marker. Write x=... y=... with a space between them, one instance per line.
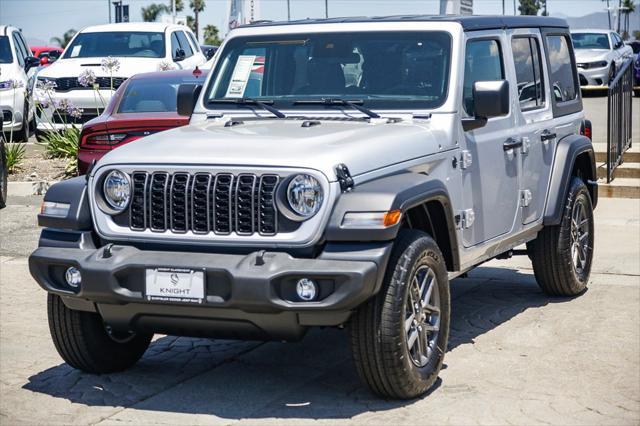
x=380 y=69
x=5 y=50
x=590 y=41
x=117 y=43
x=154 y=94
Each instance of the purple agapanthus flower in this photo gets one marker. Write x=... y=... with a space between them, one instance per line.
x=87 y=78
x=110 y=64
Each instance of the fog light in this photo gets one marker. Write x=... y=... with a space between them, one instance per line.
x=306 y=289
x=73 y=277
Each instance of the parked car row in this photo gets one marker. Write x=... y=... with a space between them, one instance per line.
x=49 y=89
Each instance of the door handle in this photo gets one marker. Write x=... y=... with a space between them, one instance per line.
x=547 y=136
x=511 y=144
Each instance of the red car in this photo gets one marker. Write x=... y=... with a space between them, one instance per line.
x=144 y=104
x=46 y=54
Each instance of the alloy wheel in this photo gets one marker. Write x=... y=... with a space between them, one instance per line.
x=579 y=237
x=422 y=316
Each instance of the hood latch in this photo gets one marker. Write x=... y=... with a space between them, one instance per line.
x=344 y=178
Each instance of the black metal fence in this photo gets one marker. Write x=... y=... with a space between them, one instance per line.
x=619 y=115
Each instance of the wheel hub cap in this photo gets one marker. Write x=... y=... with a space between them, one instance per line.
x=579 y=237
x=422 y=316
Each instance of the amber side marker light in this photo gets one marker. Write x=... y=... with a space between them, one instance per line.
x=371 y=219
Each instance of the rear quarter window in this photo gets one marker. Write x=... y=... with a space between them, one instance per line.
x=562 y=76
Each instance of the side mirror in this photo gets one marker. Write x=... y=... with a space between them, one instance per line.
x=187 y=97
x=490 y=99
x=179 y=55
x=30 y=62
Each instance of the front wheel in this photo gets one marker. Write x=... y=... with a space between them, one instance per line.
x=561 y=255
x=399 y=337
x=84 y=342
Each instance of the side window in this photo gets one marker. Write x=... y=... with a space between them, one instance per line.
x=483 y=62
x=526 y=57
x=184 y=43
x=561 y=76
x=194 y=42
x=20 y=55
x=175 y=44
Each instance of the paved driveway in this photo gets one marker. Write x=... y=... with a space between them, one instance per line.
x=515 y=355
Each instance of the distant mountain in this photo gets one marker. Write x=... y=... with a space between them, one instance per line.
x=600 y=20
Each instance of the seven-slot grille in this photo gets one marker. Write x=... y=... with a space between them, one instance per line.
x=221 y=203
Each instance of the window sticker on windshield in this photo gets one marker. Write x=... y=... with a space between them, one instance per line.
x=75 y=51
x=240 y=76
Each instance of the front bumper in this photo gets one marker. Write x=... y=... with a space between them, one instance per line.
x=248 y=296
x=595 y=77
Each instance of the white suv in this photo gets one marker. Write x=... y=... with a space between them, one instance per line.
x=109 y=54
x=15 y=62
x=599 y=55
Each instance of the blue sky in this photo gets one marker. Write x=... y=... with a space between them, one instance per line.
x=42 y=19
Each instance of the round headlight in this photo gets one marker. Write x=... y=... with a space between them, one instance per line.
x=305 y=195
x=117 y=190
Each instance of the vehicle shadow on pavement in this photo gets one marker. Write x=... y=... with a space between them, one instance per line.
x=314 y=378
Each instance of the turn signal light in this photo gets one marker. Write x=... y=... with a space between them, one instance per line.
x=371 y=219
x=106 y=139
x=391 y=218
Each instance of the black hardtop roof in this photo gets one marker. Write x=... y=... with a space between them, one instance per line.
x=468 y=22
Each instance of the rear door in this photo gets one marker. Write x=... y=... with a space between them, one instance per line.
x=490 y=178
x=533 y=110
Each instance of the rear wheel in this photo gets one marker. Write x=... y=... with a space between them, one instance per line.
x=562 y=254
x=399 y=337
x=84 y=342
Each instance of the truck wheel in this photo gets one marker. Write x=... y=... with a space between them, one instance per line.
x=562 y=254
x=399 y=337
x=84 y=343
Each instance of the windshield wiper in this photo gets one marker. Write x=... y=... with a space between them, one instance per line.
x=355 y=104
x=250 y=101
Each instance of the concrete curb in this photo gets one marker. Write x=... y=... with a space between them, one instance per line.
x=23 y=189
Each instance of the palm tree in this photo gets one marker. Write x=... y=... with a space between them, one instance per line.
x=629 y=7
x=211 y=35
x=151 y=12
x=65 y=39
x=197 y=6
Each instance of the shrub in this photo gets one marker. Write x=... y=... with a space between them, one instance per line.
x=15 y=153
x=64 y=144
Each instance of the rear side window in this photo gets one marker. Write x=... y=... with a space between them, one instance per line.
x=561 y=75
x=483 y=62
x=526 y=57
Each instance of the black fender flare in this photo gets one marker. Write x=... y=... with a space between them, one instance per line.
x=73 y=192
x=567 y=152
x=395 y=192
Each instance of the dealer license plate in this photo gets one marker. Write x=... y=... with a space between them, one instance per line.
x=175 y=285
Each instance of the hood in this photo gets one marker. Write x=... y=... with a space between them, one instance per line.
x=8 y=72
x=591 y=55
x=73 y=67
x=362 y=146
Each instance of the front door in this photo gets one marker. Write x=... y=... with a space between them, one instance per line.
x=490 y=179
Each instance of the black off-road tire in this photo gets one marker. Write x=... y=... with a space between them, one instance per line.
x=551 y=253
x=377 y=332
x=22 y=135
x=84 y=343
x=4 y=178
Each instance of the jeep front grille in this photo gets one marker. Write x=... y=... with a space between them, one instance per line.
x=221 y=203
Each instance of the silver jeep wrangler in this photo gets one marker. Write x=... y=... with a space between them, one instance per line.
x=335 y=172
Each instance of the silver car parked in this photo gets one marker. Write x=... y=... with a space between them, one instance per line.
x=599 y=54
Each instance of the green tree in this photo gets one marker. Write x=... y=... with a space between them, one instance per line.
x=211 y=35
x=151 y=12
x=65 y=39
x=197 y=6
x=529 y=7
x=179 y=5
x=629 y=8
x=191 y=23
